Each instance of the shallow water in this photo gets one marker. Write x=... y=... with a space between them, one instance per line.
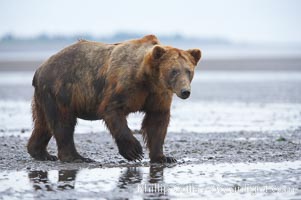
x=238 y=180
x=200 y=117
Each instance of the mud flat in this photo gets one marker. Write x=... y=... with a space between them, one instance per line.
x=212 y=165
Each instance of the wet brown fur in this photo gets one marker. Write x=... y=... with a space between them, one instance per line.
x=92 y=80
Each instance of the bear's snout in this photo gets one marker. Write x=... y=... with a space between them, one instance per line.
x=185 y=93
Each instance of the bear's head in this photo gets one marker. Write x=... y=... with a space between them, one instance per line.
x=175 y=68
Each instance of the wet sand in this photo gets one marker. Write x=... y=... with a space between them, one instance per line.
x=213 y=165
x=187 y=147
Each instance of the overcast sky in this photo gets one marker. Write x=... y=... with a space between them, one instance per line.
x=237 y=20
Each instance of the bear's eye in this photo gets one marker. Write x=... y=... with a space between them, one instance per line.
x=188 y=72
x=174 y=72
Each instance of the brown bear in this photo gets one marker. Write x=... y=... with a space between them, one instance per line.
x=93 y=80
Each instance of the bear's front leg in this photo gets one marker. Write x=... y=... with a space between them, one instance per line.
x=154 y=128
x=128 y=146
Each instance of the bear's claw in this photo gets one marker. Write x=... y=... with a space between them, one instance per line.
x=52 y=158
x=130 y=148
x=170 y=160
x=164 y=159
x=76 y=159
x=44 y=157
x=82 y=159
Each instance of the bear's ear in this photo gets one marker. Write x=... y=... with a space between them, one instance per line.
x=158 y=52
x=196 y=54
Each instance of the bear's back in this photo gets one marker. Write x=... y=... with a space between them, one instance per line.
x=72 y=61
x=88 y=58
x=131 y=53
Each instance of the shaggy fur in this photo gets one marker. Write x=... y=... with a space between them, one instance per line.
x=92 y=80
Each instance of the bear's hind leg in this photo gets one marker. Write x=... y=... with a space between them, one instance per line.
x=63 y=133
x=37 y=144
x=62 y=122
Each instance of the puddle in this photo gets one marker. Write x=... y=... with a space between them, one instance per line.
x=240 y=180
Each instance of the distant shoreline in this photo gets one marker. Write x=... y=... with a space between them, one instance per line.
x=240 y=64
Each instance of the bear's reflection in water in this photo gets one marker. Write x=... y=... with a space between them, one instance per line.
x=156 y=187
x=130 y=179
x=40 y=180
x=131 y=176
